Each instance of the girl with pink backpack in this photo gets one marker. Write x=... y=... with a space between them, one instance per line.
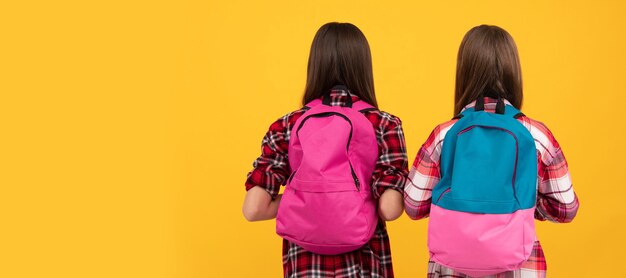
x=486 y=175
x=343 y=162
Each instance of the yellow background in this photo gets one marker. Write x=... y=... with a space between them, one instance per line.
x=128 y=127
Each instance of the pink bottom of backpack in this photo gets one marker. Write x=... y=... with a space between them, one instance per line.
x=480 y=244
x=326 y=224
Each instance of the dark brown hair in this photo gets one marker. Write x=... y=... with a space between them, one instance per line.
x=487 y=66
x=340 y=55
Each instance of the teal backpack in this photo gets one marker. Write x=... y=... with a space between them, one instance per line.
x=482 y=213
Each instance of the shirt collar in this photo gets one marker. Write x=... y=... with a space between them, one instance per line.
x=339 y=96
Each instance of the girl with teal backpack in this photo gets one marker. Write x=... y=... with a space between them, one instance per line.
x=486 y=175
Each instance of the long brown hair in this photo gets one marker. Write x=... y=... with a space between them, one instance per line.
x=340 y=55
x=487 y=66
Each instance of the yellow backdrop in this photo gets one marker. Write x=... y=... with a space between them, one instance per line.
x=128 y=127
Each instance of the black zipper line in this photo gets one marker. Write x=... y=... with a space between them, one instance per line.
x=443 y=193
x=292 y=175
x=354 y=177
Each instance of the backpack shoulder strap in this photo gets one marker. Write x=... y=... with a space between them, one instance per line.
x=313 y=103
x=362 y=106
x=458 y=116
x=512 y=112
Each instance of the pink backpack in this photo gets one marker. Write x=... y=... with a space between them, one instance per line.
x=327 y=207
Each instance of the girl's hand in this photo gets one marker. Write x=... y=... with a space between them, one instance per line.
x=258 y=205
x=390 y=205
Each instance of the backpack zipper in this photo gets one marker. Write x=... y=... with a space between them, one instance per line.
x=291 y=177
x=443 y=193
x=354 y=177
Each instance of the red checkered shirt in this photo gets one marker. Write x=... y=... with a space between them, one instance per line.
x=272 y=169
x=556 y=200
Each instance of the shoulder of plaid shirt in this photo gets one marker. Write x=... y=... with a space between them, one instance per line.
x=271 y=169
x=556 y=199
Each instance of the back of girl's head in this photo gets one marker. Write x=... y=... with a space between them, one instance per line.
x=487 y=66
x=340 y=55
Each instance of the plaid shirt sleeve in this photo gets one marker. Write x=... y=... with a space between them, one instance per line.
x=271 y=168
x=556 y=199
x=392 y=164
x=424 y=175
